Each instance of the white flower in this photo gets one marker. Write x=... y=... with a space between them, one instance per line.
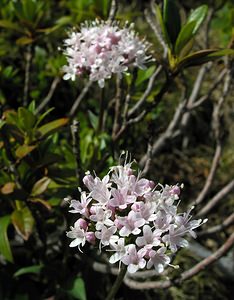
x=106 y=235
x=133 y=259
x=149 y=238
x=120 y=250
x=101 y=49
x=158 y=259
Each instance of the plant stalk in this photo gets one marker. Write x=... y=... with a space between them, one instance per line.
x=117 y=283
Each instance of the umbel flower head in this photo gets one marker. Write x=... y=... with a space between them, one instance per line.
x=101 y=49
x=131 y=218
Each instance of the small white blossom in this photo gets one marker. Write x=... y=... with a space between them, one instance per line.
x=101 y=49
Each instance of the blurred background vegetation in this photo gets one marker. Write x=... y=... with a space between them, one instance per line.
x=38 y=166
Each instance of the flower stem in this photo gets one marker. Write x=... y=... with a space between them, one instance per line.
x=117 y=283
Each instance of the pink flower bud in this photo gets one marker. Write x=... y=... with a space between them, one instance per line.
x=175 y=190
x=90 y=237
x=89 y=181
x=82 y=223
x=93 y=210
x=117 y=224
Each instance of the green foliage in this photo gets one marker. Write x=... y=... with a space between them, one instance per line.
x=5 y=249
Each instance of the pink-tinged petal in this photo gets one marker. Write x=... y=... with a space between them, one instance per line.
x=132 y=268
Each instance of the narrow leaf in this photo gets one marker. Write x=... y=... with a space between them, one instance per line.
x=171 y=18
x=185 y=35
x=24 y=40
x=162 y=25
x=40 y=186
x=24 y=150
x=41 y=201
x=36 y=269
x=10 y=25
x=52 y=126
x=5 y=248
x=198 y=15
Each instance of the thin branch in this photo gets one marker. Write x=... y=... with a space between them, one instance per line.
x=117 y=105
x=79 y=99
x=146 y=92
x=76 y=149
x=215 y=229
x=148 y=159
x=169 y=132
x=113 y=10
x=128 y=96
x=209 y=93
x=27 y=74
x=164 y=284
x=50 y=94
x=150 y=18
x=210 y=178
x=216 y=128
x=219 y=196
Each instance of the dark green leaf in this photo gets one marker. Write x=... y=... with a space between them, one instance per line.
x=171 y=18
x=10 y=25
x=5 y=248
x=203 y=56
x=26 y=118
x=162 y=25
x=26 y=270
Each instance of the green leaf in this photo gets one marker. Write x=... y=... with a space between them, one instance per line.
x=143 y=75
x=24 y=150
x=32 y=107
x=203 y=56
x=198 y=15
x=5 y=249
x=24 y=40
x=26 y=118
x=171 y=18
x=220 y=53
x=185 y=35
x=41 y=117
x=36 y=269
x=10 y=25
x=93 y=119
x=40 y=186
x=162 y=25
x=78 y=289
x=52 y=126
x=23 y=222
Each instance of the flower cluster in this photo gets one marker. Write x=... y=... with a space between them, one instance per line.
x=134 y=219
x=101 y=49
